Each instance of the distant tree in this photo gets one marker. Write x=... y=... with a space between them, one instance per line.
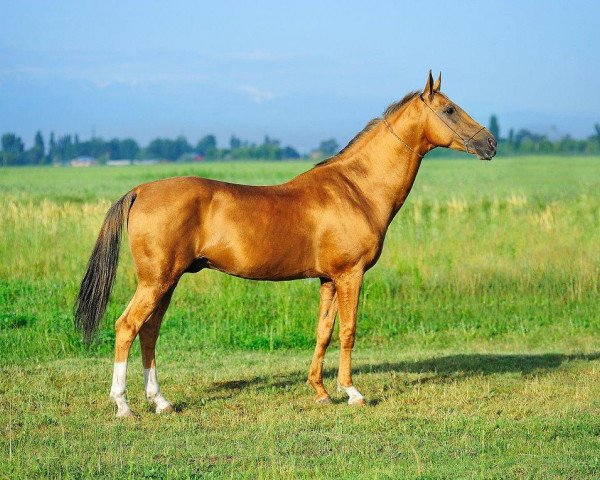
x=94 y=147
x=12 y=144
x=206 y=146
x=597 y=135
x=113 y=149
x=35 y=155
x=168 y=149
x=155 y=148
x=494 y=127
x=39 y=142
x=64 y=148
x=51 y=148
x=271 y=141
x=234 y=142
x=289 y=152
x=129 y=148
x=520 y=136
x=328 y=147
x=12 y=150
x=269 y=150
x=181 y=146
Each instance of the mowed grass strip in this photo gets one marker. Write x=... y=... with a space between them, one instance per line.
x=434 y=414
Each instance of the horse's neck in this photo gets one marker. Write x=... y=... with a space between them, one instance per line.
x=384 y=168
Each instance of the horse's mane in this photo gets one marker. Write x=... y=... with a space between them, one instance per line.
x=394 y=107
x=390 y=110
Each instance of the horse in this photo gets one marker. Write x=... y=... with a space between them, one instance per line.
x=328 y=223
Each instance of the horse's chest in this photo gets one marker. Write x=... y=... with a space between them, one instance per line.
x=351 y=246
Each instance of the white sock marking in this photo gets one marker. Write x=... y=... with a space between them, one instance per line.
x=117 y=391
x=153 y=390
x=353 y=394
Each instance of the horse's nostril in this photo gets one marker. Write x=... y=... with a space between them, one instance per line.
x=492 y=142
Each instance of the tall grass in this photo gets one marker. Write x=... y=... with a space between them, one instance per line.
x=480 y=251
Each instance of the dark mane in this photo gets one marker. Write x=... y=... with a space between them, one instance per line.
x=390 y=110
x=368 y=127
x=394 y=107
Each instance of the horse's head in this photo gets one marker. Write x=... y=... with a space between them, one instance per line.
x=448 y=125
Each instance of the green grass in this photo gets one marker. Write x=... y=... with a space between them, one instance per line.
x=250 y=415
x=477 y=341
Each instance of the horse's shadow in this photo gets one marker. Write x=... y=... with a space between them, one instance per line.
x=438 y=369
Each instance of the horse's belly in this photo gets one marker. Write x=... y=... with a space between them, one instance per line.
x=270 y=258
x=266 y=268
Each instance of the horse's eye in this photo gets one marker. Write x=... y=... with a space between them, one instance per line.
x=449 y=110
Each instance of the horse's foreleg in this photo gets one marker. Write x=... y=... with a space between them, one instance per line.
x=348 y=289
x=142 y=305
x=148 y=337
x=327 y=311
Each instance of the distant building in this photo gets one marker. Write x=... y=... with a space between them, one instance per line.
x=191 y=157
x=146 y=161
x=118 y=163
x=83 y=162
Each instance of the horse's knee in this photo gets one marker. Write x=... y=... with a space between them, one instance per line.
x=119 y=324
x=124 y=329
x=323 y=343
x=347 y=343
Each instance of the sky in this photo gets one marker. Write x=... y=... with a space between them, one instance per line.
x=300 y=72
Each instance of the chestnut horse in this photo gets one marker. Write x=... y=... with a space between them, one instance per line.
x=328 y=223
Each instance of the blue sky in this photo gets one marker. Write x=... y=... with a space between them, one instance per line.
x=298 y=71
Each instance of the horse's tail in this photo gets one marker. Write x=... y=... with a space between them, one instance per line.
x=101 y=269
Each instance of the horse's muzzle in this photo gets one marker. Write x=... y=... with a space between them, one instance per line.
x=486 y=148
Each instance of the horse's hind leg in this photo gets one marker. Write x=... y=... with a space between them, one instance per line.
x=148 y=337
x=143 y=304
x=327 y=311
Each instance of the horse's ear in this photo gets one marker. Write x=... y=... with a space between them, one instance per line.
x=437 y=86
x=429 y=86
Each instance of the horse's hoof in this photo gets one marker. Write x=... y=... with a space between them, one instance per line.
x=358 y=402
x=324 y=400
x=355 y=398
x=167 y=409
x=125 y=414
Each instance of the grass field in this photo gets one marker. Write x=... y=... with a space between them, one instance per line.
x=478 y=340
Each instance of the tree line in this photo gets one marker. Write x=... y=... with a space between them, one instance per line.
x=524 y=141
x=67 y=147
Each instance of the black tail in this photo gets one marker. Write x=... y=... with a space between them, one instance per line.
x=101 y=270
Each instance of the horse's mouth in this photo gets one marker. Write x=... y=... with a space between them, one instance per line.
x=486 y=154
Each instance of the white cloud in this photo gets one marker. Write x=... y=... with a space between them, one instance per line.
x=256 y=94
x=109 y=75
x=261 y=56
x=164 y=68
